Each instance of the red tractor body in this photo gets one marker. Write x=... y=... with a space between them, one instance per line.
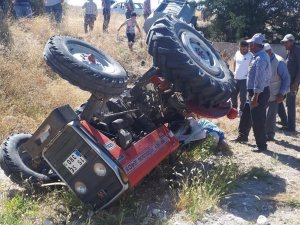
x=143 y=156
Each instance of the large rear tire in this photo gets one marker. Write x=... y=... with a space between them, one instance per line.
x=85 y=66
x=18 y=165
x=189 y=61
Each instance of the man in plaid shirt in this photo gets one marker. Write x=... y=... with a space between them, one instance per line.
x=91 y=13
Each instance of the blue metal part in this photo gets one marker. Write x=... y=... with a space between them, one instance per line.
x=182 y=9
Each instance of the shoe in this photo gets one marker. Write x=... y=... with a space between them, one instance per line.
x=284 y=128
x=258 y=150
x=240 y=114
x=270 y=138
x=282 y=123
x=240 y=139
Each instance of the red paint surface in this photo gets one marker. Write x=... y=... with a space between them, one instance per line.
x=141 y=157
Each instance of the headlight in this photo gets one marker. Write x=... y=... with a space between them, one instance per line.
x=80 y=188
x=100 y=169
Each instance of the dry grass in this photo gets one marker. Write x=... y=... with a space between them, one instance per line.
x=29 y=90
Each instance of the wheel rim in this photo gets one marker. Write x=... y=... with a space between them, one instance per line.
x=41 y=168
x=201 y=53
x=81 y=53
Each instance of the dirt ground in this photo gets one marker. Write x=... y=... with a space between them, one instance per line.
x=268 y=194
x=271 y=189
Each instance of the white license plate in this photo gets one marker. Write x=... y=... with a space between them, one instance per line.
x=74 y=162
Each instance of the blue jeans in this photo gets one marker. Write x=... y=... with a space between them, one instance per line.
x=55 y=11
x=23 y=10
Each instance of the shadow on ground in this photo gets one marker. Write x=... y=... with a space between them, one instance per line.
x=288 y=145
x=284 y=159
x=250 y=198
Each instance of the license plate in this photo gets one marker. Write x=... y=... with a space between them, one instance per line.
x=74 y=162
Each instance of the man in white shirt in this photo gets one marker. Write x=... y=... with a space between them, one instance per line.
x=242 y=60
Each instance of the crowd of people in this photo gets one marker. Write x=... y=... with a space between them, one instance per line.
x=91 y=13
x=54 y=9
x=264 y=81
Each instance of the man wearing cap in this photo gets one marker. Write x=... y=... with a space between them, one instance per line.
x=242 y=59
x=258 y=82
x=279 y=87
x=293 y=64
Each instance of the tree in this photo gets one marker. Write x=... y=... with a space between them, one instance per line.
x=236 y=19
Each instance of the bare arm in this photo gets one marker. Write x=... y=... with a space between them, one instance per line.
x=137 y=26
x=234 y=65
x=122 y=25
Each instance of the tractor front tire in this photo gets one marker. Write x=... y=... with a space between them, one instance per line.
x=190 y=62
x=18 y=165
x=85 y=66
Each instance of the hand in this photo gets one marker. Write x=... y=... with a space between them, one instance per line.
x=254 y=101
x=294 y=87
x=279 y=98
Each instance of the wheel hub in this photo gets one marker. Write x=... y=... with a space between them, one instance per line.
x=201 y=53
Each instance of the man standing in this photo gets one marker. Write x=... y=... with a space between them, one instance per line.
x=129 y=8
x=293 y=64
x=258 y=82
x=106 y=14
x=147 y=9
x=54 y=9
x=279 y=87
x=90 y=16
x=242 y=60
x=2 y=5
x=22 y=9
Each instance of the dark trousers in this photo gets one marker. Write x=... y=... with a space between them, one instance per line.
x=256 y=118
x=241 y=88
x=55 y=12
x=271 y=119
x=288 y=119
x=89 y=20
x=106 y=19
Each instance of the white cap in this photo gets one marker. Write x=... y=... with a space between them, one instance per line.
x=288 y=37
x=267 y=47
x=257 y=38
